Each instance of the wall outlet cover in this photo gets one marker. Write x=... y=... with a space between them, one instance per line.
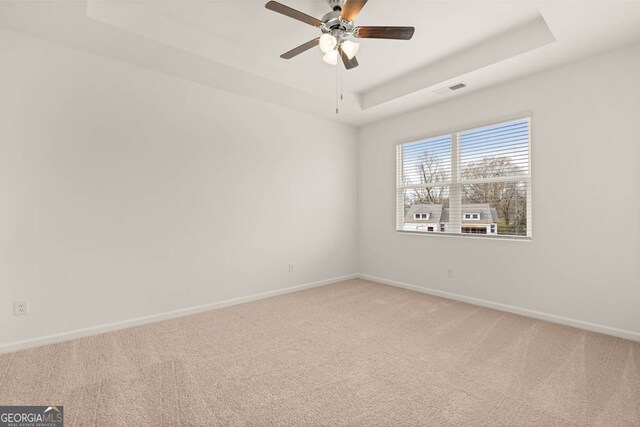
x=20 y=308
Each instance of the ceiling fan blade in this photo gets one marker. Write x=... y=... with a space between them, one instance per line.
x=351 y=10
x=302 y=48
x=348 y=63
x=292 y=13
x=398 y=33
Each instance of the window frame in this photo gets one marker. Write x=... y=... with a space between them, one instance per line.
x=455 y=184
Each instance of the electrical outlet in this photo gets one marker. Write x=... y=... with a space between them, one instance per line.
x=292 y=268
x=20 y=308
x=450 y=273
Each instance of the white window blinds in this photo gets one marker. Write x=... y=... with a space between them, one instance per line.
x=475 y=181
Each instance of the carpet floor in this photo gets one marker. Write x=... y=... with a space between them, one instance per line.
x=352 y=353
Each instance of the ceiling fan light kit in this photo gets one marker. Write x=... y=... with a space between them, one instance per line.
x=350 y=48
x=331 y=57
x=339 y=31
x=327 y=42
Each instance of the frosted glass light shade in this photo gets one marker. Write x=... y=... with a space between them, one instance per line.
x=327 y=42
x=331 y=57
x=350 y=48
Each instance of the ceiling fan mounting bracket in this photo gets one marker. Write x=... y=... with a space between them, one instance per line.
x=336 y=5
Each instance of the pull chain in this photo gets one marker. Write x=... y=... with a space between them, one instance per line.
x=337 y=85
x=341 y=81
x=339 y=96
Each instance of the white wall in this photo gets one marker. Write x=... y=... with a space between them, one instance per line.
x=586 y=171
x=127 y=193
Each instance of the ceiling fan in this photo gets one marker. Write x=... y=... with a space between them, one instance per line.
x=338 y=31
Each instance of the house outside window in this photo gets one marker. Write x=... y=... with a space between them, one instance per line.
x=474 y=230
x=475 y=181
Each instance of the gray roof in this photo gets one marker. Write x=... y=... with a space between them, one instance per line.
x=440 y=214
x=434 y=210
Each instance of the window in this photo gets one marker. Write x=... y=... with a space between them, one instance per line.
x=421 y=216
x=475 y=181
x=474 y=230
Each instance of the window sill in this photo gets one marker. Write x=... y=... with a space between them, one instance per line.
x=466 y=236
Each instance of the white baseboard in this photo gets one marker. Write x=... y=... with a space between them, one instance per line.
x=95 y=330
x=101 y=329
x=622 y=333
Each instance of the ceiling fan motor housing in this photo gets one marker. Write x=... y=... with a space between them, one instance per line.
x=335 y=25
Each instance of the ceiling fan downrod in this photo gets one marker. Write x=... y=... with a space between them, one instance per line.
x=336 y=5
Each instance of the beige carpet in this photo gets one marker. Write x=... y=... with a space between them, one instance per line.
x=352 y=353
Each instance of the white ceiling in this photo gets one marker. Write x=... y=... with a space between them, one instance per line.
x=441 y=29
x=235 y=45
